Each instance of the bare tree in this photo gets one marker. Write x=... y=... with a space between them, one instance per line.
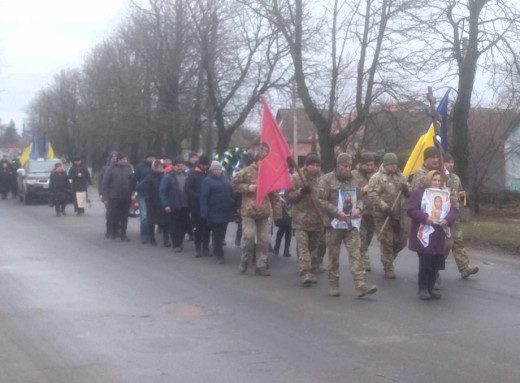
x=338 y=50
x=240 y=54
x=460 y=38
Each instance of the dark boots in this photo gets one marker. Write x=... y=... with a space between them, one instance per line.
x=426 y=284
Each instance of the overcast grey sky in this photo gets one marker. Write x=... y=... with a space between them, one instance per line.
x=38 y=38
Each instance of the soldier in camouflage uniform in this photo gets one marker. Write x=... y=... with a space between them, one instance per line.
x=305 y=220
x=364 y=170
x=255 y=219
x=432 y=162
x=456 y=242
x=383 y=190
x=329 y=187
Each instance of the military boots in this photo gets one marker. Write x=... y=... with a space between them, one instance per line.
x=334 y=288
x=363 y=289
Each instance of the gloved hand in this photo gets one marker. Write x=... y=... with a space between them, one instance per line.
x=388 y=212
x=405 y=190
x=306 y=190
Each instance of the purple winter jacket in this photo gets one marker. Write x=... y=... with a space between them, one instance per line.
x=438 y=237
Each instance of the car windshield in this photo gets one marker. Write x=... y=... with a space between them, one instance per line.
x=40 y=166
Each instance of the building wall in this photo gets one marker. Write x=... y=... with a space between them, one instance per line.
x=512 y=165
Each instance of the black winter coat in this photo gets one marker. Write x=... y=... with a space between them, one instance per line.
x=216 y=199
x=59 y=187
x=149 y=186
x=117 y=182
x=142 y=170
x=80 y=177
x=6 y=177
x=192 y=189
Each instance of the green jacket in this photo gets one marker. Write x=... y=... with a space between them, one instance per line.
x=329 y=187
x=248 y=208
x=383 y=189
x=304 y=215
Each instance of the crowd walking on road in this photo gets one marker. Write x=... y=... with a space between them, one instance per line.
x=198 y=198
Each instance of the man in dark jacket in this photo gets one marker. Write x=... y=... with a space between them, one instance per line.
x=112 y=159
x=80 y=177
x=192 y=189
x=117 y=193
x=142 y=170
x=6 y=176
x=175 y=202
x=216 y=206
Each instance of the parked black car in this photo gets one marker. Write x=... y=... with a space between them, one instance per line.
x=33 y=180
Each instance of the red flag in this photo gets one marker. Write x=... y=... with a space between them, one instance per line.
x=273 y=172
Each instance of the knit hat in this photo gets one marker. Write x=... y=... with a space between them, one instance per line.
x=177 y=161
x=312 y=159
x=204 y=159
x=389 y=159
x=448 y=157
x=214 y=165
x=430 y=151
x=343 y=159
x=150 y=153
x=366 y=158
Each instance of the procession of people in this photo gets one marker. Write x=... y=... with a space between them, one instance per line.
x=198 y=198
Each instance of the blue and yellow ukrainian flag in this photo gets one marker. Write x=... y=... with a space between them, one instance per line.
x=47 y=147
x=427 y=138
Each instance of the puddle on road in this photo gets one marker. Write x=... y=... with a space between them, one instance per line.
x=185 y=310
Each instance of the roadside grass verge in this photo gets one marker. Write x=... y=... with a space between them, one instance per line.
x=493 y=231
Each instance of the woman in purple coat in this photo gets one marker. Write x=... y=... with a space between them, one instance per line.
x=431 y=254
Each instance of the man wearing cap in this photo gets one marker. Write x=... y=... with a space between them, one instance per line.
x=306 y=221
x=364 y=170
x=117 y=194
x=432 y=161
x=255 y=219
x=142 y=170
x=388 y=194
x=192 y=189
x=456 y=242
x=329 y=188
x=175 y=202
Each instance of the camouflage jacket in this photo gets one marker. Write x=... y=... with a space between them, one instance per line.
x=240 y=183
x=455 y=186
x=383 y=189
x=362 y=179
x=329 y=187
x=418 y=176
x=304 y=216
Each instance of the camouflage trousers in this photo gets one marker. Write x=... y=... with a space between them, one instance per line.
x=392 y=240
x=456 y=245
x=366 y=233
x=255 y=229
x=352 y=241
x=307 y=248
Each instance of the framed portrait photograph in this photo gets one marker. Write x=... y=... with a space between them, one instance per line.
x=347 y=201
x=436 y=203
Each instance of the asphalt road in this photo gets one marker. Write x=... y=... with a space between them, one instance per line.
x=75 y=307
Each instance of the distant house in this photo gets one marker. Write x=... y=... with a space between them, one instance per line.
x=494 y=138
x=512 y=158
